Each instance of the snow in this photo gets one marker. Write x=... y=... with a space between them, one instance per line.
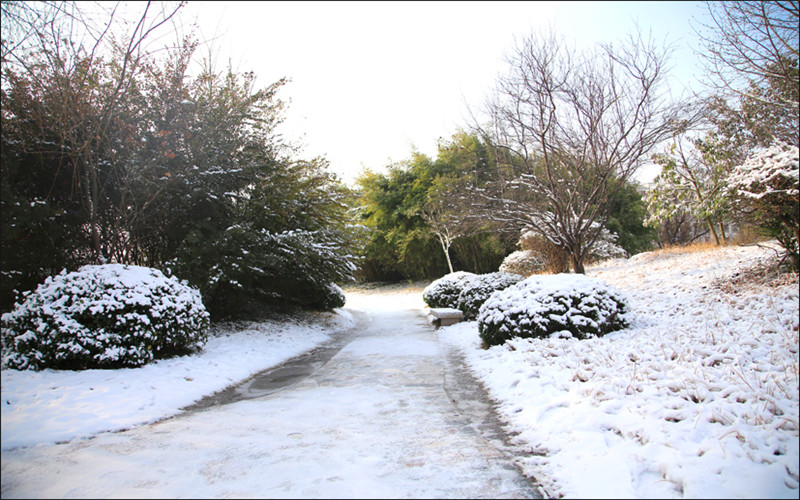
x=773 y=171
x=541 y=287
x=698 y=398
x=103 y=290
x=444 y=291
x=480 y=288
x=53 y=406
x=523 y=262
x=546 y=305
x=373 y=422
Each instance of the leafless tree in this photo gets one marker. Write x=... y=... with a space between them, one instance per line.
x=570 y=129
x=445 y=212
x=750 y=41
x=21 y=21
x=443 y=224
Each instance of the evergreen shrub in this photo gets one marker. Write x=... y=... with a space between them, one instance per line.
x=249 y=269
x=444 y=292
x=765 y=190
x=568 y=305
x=106 y=316
x=480 y=288
x=324 y=296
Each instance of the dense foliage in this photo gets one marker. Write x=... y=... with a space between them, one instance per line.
x=626 y=216
x=132 y=159
x=767 y=187
x=445 y=291
x=480 y=288
x=420 y=219
x=106 y=316
x=692 y=184
x=523 y=262
x=751 y=55
x=569 y=305
x=466 y=291
x=427 y=218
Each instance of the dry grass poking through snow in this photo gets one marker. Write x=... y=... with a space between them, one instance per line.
x=698 y=397
x=732 y=334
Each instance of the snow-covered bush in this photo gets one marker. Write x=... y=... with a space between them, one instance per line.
x=444 y=292
x=331 y=296
x=554 y=259
x=766 y=187
x=106 y=316
x=772 y=173
x=570 y=305
x=247 y=269
x=480 y=288
x=523 y=262
x=605 y=247
x=540 y=254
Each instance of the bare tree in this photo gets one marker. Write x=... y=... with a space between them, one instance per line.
x=750 y=41
x=21 y=23
x=446 y=214
x=570 y=130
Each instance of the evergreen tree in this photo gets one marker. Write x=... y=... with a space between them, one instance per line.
x=420 y=215
x=129 y=159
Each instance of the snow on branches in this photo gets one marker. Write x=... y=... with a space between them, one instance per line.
x=768 y=175
x=765 y=187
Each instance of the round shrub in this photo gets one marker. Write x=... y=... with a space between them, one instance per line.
x=106 y=316
x=523 y=262
x=554 y=258
x=480 y=288
x=564 y=304
x=444 y=292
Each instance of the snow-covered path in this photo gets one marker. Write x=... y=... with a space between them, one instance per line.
x=374 y=422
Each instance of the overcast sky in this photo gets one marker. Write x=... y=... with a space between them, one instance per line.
x=372 y=80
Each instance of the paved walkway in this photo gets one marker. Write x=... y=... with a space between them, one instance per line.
x=376 y=421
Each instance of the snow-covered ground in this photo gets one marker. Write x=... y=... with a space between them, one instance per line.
x=52 y=406
x=697 y=399
x=375 y=421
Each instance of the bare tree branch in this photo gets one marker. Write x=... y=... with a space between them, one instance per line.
x=572 y=130
x=748 y=41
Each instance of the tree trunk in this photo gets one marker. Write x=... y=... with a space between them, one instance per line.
x=446 y=248
x=722 y=232
x=713 y=231
x=91 y=201
x=577 y=265
x=577 y=262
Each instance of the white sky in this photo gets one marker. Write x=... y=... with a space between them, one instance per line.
x=372 y=80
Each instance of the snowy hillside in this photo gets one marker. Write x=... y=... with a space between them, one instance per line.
x=697 y=399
